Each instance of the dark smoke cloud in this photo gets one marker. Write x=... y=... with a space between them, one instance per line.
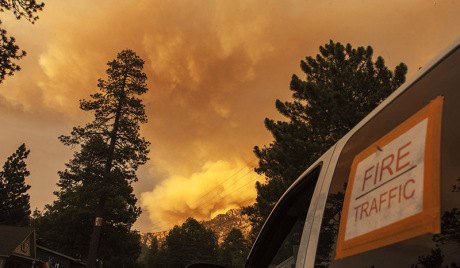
x=215 y=69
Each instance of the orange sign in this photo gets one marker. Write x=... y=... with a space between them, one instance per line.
x=393 y=190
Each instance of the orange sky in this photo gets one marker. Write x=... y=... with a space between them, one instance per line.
x=215 y=69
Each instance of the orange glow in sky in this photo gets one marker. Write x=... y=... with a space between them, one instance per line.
x=214 y=68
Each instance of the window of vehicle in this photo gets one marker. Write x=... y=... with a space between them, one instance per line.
x=278 y=242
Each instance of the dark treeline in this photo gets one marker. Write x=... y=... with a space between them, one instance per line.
x=95 y=200
x=192 y=242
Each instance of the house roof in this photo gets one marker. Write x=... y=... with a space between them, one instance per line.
x=12 y=237
x=58 y=253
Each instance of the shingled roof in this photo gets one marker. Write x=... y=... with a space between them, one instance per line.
x=11 y=237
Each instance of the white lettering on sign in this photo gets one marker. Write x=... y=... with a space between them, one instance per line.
x=388 y=184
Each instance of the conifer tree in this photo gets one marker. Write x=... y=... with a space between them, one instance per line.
x=342 y=86
x=9 y=50
x=14 y=200
x=186 y=244
x=97 y=181
x=234 y=249
x=153 y=258
x=67 y=224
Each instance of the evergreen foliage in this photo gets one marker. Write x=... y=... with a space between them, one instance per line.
x=152 y=259
x=9 y=50
x=433 y=260
x=14 y=200
x=66 y=225
x=97 y=182
x=342 y=86
x=186 y=244
x=234 y=250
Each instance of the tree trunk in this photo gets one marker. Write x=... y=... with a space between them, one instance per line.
x=95 y=236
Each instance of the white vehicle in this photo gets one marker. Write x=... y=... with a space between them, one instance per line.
x=387 y=194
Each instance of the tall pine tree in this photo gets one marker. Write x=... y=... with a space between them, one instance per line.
x=14 y=200
x=342 y=85
x=97 y=181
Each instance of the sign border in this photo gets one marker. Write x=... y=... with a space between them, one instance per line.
x=426 y=221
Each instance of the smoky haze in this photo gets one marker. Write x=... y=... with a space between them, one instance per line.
x=215 y=69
